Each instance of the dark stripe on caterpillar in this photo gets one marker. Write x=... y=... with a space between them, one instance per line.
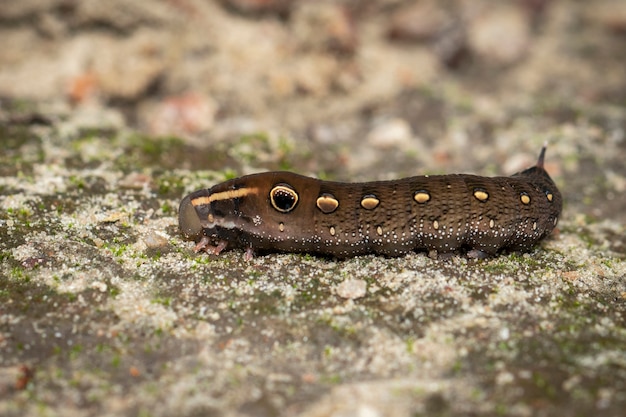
x=287 y=212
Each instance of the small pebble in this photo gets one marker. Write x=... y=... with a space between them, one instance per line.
x=154 y=240
x=352 y=289
x=418 y=22
x=393 y=133
x=183 y=115
x=500 y=36
x=135 y=181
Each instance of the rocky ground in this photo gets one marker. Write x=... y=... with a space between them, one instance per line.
x=110 y=112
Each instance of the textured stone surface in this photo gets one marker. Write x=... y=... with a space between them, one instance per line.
x=110 y=114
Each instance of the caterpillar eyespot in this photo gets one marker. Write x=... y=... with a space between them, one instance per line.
x=283 y=198
x=287 y=212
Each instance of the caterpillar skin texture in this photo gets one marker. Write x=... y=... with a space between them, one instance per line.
x=287 y=212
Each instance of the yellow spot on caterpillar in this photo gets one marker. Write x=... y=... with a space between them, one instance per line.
x=327 y=203
x=549 y=196
x=481 y=195
x=421 y=197
x=281 y=226
x=492 y=223
x=435 y=225
x=525 y=198
x=332 y=231
x=370 y=202
x=379 y=230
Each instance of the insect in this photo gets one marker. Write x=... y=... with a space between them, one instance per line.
x=443 y=214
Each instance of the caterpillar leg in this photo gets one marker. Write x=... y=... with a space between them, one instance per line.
x=204 y=245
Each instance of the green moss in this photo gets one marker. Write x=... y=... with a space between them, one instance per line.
x=116 y=250
x=169 y=185
x=332 y=379
x=543 y=384
x=76 y=181
x=164 y=301
x=328 y=351
x=23 y=213
x=496 y=266
x=113 y=290
x=457 y=367
x=502 y=409
x=5 y=256
x=199 y=260
x=261 y=148
x=143 y=412
x=154 y=146
x=410 y=345
x=116 y=361
x=157 y=152
x=75 y=351
x=524 y=260
x=18 y=273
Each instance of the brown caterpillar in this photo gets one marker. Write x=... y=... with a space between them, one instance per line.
x=287 y=212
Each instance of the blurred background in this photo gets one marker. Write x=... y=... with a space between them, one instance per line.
x=343 y=89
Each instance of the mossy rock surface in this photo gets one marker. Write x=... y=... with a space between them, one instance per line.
x=106 y=310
